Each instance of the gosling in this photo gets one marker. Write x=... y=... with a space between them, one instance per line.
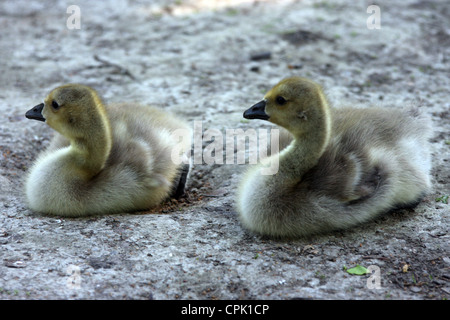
x=344 y=166
x=105 y=159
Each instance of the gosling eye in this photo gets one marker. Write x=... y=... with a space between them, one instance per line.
x=55 y=105
x=280 y=100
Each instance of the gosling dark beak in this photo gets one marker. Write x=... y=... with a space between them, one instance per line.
x=36 y=113
x=257 y=111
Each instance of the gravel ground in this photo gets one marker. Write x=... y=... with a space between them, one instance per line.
x=208 y=61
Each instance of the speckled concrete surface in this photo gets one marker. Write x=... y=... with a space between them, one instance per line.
x=197 y=59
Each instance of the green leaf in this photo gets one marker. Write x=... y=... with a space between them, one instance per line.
x=443 y=199
x=358 y=270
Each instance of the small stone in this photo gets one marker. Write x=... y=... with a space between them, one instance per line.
x=415 y=289
x=261 y=56
x=15 y=264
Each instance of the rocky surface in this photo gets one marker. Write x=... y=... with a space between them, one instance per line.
x=208 y=61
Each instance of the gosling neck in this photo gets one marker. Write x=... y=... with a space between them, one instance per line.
x=91 y=151
x=305 y=150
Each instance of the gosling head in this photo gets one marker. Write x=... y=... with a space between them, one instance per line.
x=294 y=103
x=72 y=110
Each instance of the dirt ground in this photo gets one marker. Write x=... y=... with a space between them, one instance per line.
x=208 y=61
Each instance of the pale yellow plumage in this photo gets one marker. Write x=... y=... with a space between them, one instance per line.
x=344 y=166
x=104 y=159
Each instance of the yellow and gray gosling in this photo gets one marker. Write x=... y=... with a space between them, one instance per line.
x=344 y=166
x=104 y=159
